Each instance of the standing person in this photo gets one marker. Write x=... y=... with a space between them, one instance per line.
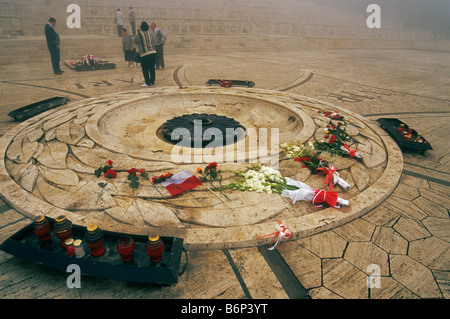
x=160 y=39
x=146 y=45
x=128 y=47
x=132 y=18
x=53 y=44
x=118 y=20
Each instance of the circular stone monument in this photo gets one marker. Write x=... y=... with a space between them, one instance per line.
x=48 y=165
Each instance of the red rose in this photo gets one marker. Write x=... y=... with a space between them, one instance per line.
x=153 y=179
x=109 y=163
x=110 y=173
x=132 y=171
x=142 y=171
x=167 y=175
x=213 y=164
x=332 y=138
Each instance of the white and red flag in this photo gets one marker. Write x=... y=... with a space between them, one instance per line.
x=181 y=182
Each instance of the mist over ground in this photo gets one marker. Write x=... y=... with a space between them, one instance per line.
x=417 y=14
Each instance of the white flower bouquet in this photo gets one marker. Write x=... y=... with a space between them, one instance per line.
x=261 y=179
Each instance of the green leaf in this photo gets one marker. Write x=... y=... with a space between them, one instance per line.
x=134 y=183
x=102 y=184
x=98 y=172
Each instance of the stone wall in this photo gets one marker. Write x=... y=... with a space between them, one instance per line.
x=10 y=23
x=207 y=17
x=205 y=25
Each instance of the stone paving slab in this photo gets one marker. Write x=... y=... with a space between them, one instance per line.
x=410 y=227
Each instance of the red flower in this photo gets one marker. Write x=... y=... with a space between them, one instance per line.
x=109 y=163
x=167 y=175
x=142 y=171
x=153 y=179
x=336 y=116
x=213 y=164
x=327 y=114
x=319 y=111
x=332 y=138
x=298 y=159
x=132 y=171
x=110 y=173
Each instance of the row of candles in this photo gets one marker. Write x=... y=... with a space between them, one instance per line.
x=94 y=238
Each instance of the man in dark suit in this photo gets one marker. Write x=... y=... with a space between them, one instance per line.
x=53 y=44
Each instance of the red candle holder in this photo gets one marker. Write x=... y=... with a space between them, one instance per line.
x=41 y=227
x=69 y=247
x=125 y=247
x=154 y=248
x=63 y=229
x=94 y=239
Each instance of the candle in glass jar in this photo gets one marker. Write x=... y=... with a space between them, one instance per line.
x=79 y=250
x=69 y=247
x=154 y=248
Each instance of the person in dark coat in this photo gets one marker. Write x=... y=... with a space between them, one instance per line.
x=53 y=44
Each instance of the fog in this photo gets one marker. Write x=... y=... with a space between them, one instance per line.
x=421 y=14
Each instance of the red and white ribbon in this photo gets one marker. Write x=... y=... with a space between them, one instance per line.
x=282 y=233
x=332 y=177
x=329 y=174
x=350 y=152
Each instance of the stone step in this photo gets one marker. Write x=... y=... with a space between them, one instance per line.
x=74 y=47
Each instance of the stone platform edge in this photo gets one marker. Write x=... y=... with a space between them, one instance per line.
x=230 y=237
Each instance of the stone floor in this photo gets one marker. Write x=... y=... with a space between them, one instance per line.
x=407 y=235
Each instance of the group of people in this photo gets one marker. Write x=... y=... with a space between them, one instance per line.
x=144 y=46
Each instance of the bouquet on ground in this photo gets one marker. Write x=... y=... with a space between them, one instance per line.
x=336 y=139
x=161 y=178
x=260 y=179
x=210 y=174
x=106 y=170
x=316 y=196
x=311 y=160
x=133 y=177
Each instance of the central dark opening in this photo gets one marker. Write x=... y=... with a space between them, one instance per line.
x=202 y=130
